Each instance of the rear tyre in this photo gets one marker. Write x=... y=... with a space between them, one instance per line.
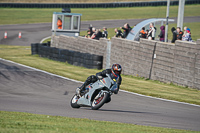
x=98 y=103
x=74 y=101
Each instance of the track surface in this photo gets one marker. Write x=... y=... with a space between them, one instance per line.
x=26 y=90
x=34 y=33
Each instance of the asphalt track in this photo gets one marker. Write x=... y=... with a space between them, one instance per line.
x=24 y=89
x=34 y=33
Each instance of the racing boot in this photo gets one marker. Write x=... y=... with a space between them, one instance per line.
x=90 y=79
x=79 y=90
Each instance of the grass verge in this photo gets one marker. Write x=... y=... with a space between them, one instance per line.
x=38 y=15
x=71 y=1
x=26 y=122
x=22 y=54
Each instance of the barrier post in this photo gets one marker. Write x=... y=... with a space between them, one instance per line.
x=108 y=52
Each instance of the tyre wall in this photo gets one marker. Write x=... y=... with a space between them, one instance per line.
x=82 y=44
x=76 y=58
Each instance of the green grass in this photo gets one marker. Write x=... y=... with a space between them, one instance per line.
x=26 y=122
x=38 y=15
x=22 y=54
x=47 y=40
x=70 y=1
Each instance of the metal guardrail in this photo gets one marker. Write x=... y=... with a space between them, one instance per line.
x=93 y=5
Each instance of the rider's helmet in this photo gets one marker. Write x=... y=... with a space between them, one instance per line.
x=116 y=69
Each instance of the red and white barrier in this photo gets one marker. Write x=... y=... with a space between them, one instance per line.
x=5 y=35
x=20 y=35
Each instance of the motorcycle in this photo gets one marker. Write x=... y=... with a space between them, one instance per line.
x=96 y=94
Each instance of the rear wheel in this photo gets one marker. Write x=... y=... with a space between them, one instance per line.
x=74 y=101
x=98 y=102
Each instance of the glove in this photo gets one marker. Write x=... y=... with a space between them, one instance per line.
x=99 y=77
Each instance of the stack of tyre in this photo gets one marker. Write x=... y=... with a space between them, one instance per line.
x=72 y=57
x=44 y=50
x=34 y=48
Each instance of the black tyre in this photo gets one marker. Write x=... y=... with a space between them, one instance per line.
x=97 y=58
x=99 y=67
x=49 y=43
x=71 y=53
x=98 y=103
x=76 y=54
x=65 y=52
x=74 y=101
x=108 y=99
x=96 y=63
x=44 y=44
x=88 y=56
x=55 y=51
x=33 y=52
x=76 y=64
x=34 y=48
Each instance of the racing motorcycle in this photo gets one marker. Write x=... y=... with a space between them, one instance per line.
x=96 y=94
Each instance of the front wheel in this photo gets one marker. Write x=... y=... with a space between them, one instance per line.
x=74 y=101
x=99 y=102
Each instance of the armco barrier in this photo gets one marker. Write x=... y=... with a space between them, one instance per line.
x=177 y=63
x=94 y=5
x=72 y=57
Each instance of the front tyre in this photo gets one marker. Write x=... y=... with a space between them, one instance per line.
x=98 y=103
x=74 y=101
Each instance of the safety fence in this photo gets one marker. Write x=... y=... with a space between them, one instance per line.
x=76 y=58
x=94 y=5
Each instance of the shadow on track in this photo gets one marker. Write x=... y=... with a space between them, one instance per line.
x=119 y=111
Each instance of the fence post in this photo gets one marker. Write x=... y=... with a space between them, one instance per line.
x=108 y=52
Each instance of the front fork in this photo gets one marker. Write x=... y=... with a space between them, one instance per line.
x=102 y=93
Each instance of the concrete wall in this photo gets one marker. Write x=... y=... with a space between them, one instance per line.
x=80 y=44
x=186 y=64
x=178 y=63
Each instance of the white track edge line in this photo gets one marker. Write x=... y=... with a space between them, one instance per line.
x=44 y=39
x=41 y=71
x=162 y=99
x=82 y=82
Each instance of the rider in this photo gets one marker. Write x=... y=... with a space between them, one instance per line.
x=114 y=72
